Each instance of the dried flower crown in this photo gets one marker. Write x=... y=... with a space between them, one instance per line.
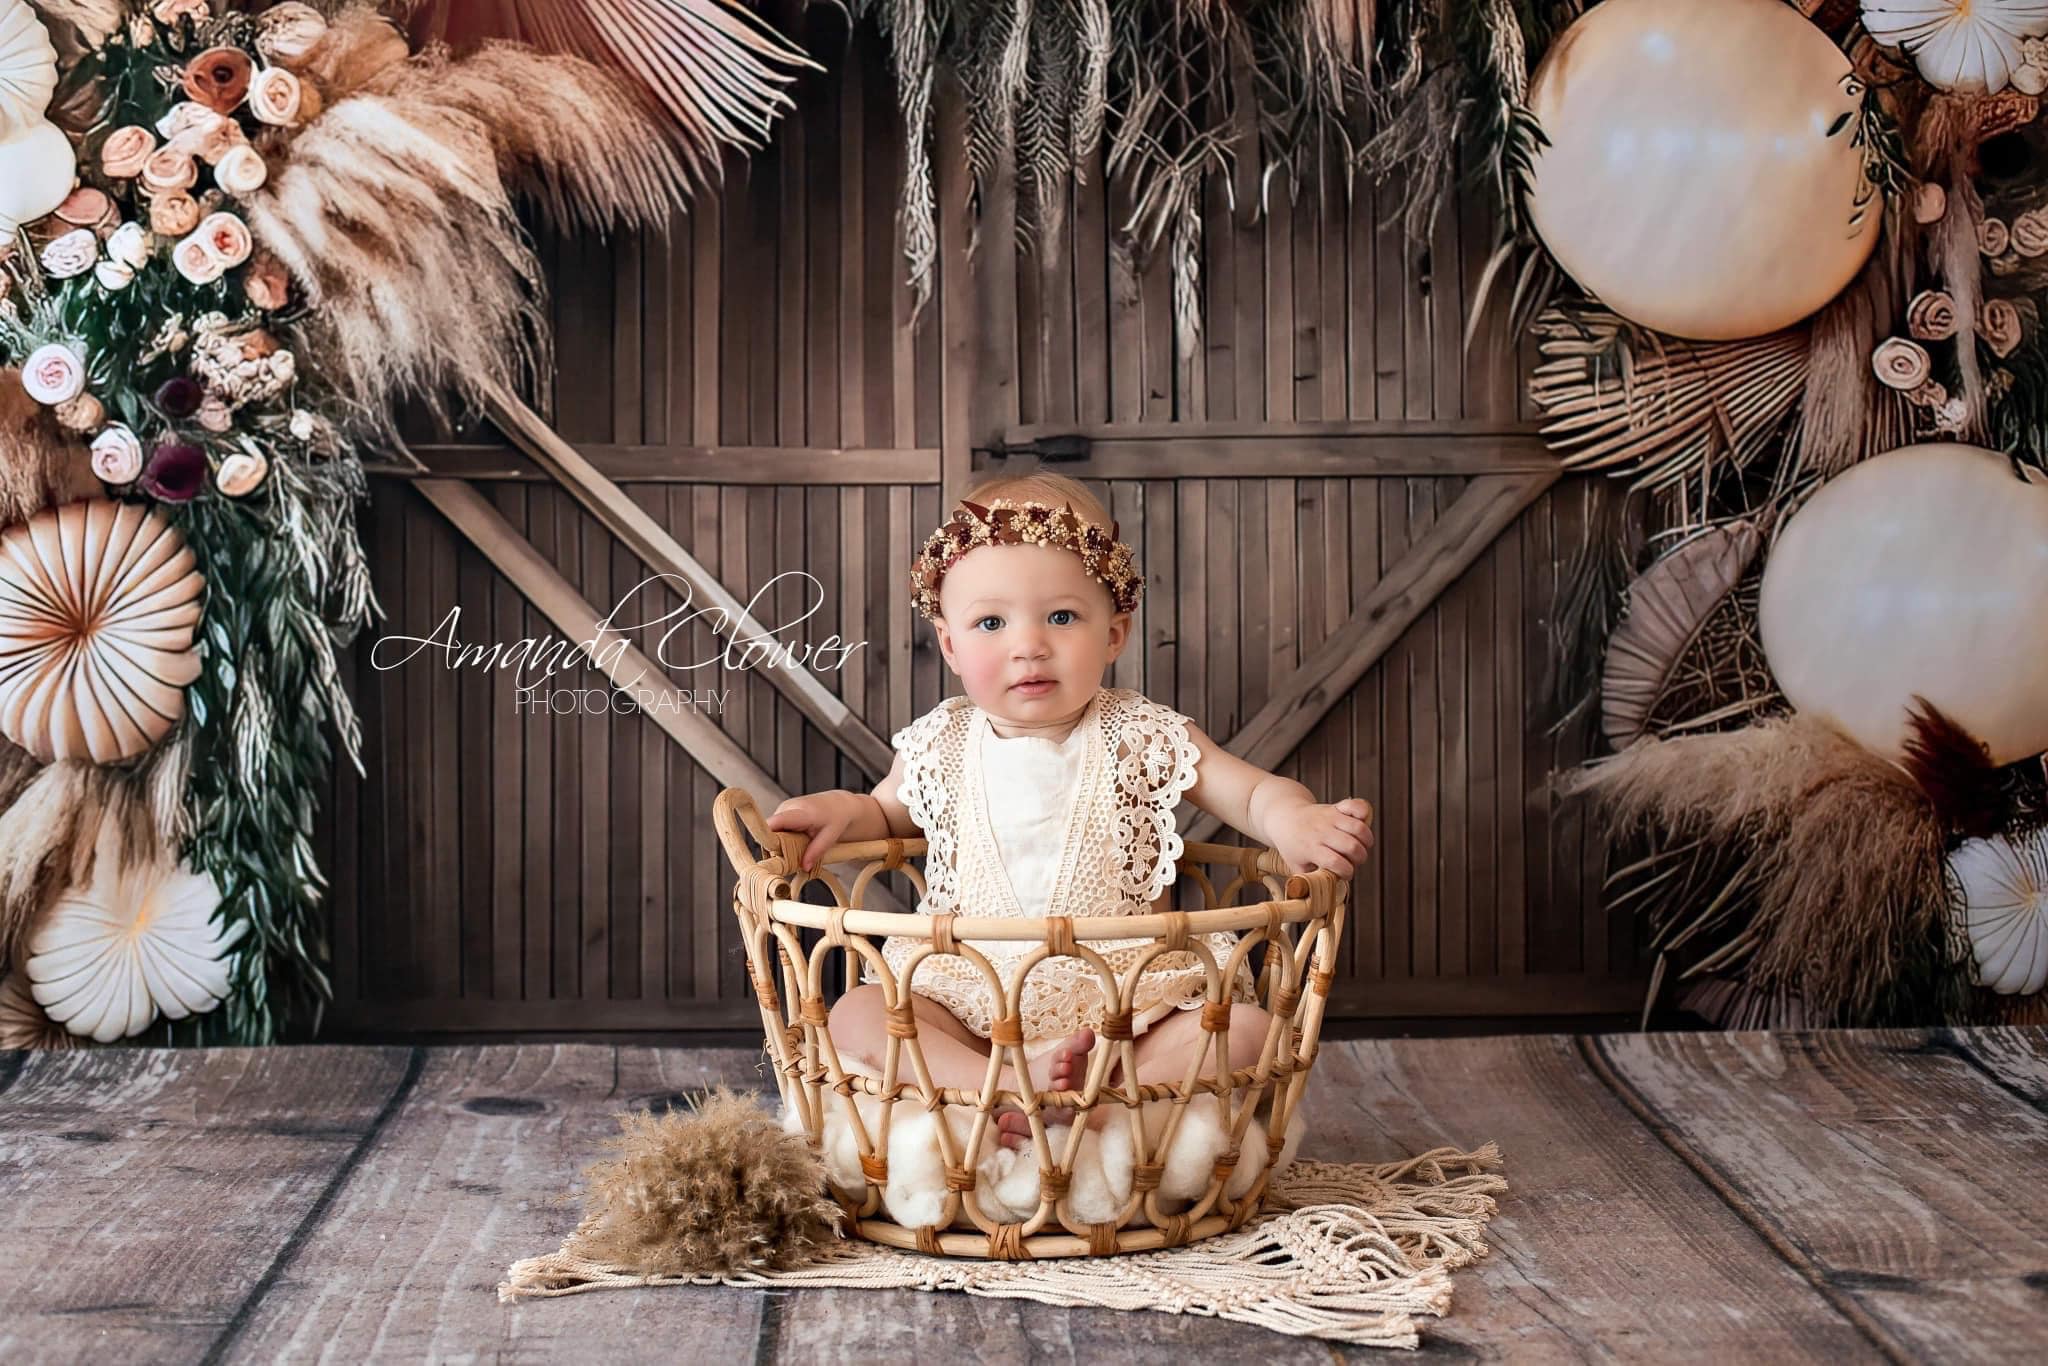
x=1004 y=522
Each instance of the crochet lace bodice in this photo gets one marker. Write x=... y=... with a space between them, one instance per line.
x=1027 y=826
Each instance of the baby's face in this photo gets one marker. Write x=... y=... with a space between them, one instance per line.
x=1028 y=631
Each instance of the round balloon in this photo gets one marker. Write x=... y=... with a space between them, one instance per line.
x=1923 y=571
x=1701 y=176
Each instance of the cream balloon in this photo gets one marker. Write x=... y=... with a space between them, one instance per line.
x=1701 y=177
x=1923 y=571
x=37 y=169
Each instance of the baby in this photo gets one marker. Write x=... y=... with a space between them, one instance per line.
x=1041 y=792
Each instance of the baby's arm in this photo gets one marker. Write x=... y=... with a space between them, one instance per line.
x=840 y=816
x=1280 y=812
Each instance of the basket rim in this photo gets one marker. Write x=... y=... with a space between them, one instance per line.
x=1037 y=929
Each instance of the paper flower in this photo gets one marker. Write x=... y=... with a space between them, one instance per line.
x=185 y=117
x=2030 y=233
x=2000 y=325
x=219 y=77
x=86 y=207
x=125 y=150
x=72 y=254
x=139 y=941
x=1930 y=202
x=241 y=171
x=179 y=396
x=1960 y=45
x=81 y=413
x=117 y=454
x=227 y=237
x=276 y=97
x=98 y=603
x=1901 y=364
x=241 y=473
x=214 y=414
x=130 y=245
x=1932 y=315
x=197 y=261
x=114 y=276
x=171 y=11
x=175 y=473
x=1993 y=237
x=286 y=33
x=52 y=374
x=173 y=215
x=2000 y=888
x=168 y=169
x=265 y=283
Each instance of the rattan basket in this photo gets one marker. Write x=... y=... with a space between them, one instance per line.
x=1300 y=922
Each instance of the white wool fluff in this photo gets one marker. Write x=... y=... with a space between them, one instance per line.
x=1008 y=1181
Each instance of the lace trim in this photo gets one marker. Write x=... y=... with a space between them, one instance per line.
x=1122 y=853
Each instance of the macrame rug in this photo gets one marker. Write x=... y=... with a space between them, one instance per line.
x=1352 y=1252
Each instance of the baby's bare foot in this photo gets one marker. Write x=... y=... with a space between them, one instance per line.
x=1064 y=1068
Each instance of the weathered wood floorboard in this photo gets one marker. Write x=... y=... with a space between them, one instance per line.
x=148 y=1196
x=1839 y=1196
x=464 y=1181
x=1886 y=1164
x=1605 y=1246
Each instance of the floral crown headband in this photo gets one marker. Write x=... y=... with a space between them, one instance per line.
x=1004 y=522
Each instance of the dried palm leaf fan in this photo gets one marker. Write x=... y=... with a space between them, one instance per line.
x=710 y=66
x=1685 y=648
x=1661 y=408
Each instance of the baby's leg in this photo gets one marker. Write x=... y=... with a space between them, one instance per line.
x=956 y=1055
x=1164 y=1051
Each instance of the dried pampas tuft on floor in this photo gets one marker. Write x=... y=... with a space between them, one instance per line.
x=1843 y=849
x=718 y=1190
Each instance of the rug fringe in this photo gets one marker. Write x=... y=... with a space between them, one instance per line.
x=1352 y=1252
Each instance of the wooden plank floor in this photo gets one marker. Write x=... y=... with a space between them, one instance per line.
x=1836 y=1196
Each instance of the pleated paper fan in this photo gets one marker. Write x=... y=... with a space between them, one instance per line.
x=1971 y=45
x=138 y=942
x=98 y=604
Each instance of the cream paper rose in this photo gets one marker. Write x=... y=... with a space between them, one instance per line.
x=117 y=454
x=124 y=151
x=80 y=413
x=2000 y=326
x=169 y=170
x=130 y=245
x=171 y=11
x=276 y=97
x=1932 y=394
x=287 y=32
x=1932 y=315
x=72 y=254
x=53 y=374
x=241 y=171
x=227 y=237
x=214 y=414
x=113 y=276
x=196 y=261
x=1993 y=237
x=186 y=117
x=2030 y=233
x=173 y=215
x=1901 y=364
x=241 y=473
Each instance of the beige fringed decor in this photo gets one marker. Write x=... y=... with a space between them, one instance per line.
x=1171 y=1164
x=1351 y=1252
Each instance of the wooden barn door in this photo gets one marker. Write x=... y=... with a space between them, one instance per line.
x=1353 y=539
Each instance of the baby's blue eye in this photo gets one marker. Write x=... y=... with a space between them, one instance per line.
x=1065 y=612
x=983 y=623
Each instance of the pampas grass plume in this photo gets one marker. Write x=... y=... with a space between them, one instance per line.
x=718 y=1189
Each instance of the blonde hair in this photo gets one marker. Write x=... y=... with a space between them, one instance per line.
x=1044 y=487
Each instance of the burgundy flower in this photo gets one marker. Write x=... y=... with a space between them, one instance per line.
x=179 y=396
x=176 y=472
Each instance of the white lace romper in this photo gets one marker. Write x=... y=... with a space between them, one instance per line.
x=1027 y=826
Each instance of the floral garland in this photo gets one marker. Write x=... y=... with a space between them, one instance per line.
x=142 y=315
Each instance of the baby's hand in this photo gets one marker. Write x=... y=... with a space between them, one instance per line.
x=1336 y=836
x=823 y=816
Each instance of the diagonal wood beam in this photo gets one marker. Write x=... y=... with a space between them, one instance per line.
x=1489 y=505
x=543 y=585
x=651 y=541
